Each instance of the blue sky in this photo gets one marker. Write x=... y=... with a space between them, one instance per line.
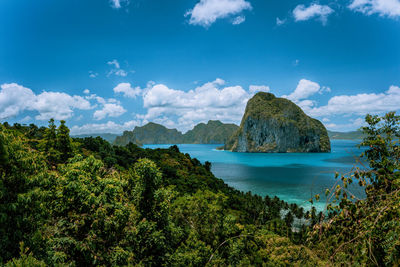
x=108 y=66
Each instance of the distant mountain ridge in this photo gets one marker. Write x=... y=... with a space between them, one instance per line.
x=106 y=136
x=214 y=132
x=200 y=134
x=354 y=135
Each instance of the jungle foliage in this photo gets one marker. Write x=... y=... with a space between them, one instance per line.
x=83 y=202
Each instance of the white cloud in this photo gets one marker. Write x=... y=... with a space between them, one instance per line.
x=110 y=110
x=209 y=101
x=114 y=63
x=58 y=105
x=259 y=88
x=206 y=12
x=302 y=13
x=389 y=8
x=127 y=90
x=352 y=125
x=304 y=89
x=108 y=127
x=93 y=74
x=280 y=22
x=395 y=90
x=239 y=20
x=15 y=99
x=120 y=72
x=117 y=4
x=86 y=91
x=360 y=104
x=117 y=70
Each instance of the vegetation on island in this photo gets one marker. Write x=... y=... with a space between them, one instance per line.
x=83 y=202
x=273 y=124
x=214 y=132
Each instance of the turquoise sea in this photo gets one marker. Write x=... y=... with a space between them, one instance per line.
x=293 y=177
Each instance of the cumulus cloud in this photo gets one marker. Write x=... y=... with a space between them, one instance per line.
x=259 y=88
x=306 y=88
x=206 y=12
x=58 y=105
x=352 y=124
x=127 y=90
x=15 y=99
x=360 y=104
x=109 y=110
x=108 y=127
x=393 y=90
x=389 y=8
x=209 y=101
x=344 y=106
x=321 y=12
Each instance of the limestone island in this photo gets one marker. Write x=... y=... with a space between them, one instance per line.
x=277 y=125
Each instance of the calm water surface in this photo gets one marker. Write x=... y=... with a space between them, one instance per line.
x=293 y=177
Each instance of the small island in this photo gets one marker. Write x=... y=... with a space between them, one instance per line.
x=272 y=124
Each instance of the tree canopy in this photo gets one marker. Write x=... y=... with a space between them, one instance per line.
x=85 y=202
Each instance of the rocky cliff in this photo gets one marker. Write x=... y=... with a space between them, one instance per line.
x=272 y=124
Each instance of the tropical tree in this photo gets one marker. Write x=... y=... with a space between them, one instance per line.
x=366 y=231
x=64 y=142
x=49 y=143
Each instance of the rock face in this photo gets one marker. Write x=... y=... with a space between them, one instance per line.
x=272 y=124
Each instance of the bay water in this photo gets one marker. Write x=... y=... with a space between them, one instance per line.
x=293 y=177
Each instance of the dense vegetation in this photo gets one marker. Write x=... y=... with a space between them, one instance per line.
x=274 y=124
x=214 y=132
x=85 y=202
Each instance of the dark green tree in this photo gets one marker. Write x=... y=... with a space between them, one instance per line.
x=64 y=142
x=3 y=150
x=49 y=143
x=366 y=231
x=18 y=214
x=147 y=179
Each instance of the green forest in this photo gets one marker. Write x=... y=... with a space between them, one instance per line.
x=85 y=202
